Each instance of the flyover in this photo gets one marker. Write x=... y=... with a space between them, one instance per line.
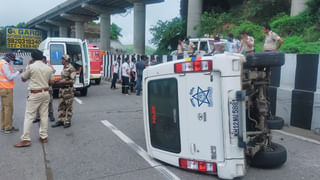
x=78 y=12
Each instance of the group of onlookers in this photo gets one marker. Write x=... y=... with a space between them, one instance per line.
x=131 y=74
x=246 y=45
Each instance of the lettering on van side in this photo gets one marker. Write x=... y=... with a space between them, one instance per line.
x=200 y=97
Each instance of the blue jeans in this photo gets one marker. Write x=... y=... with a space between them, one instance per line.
x=138 y=86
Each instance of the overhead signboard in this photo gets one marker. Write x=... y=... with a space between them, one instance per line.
x=21 y=38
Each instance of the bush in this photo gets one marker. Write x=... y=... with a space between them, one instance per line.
x=252 y=29
x=312 y=33
x=296 y=44
x=212 y=23
x=290 y=26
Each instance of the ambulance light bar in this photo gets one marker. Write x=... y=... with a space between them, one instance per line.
x=193 y=66
x=202 y=166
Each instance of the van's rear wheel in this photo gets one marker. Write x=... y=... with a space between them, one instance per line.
x=274 y=156
x=264 y=59
x=84 y=91
x=97 y=81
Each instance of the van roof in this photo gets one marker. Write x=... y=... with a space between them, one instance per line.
x=62 y=39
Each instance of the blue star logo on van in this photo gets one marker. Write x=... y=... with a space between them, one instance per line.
x=200 y=97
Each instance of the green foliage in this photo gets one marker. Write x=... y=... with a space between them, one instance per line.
x=166 y=34
x=115 y=32
x=312 y=33
x=289 y=26
x=295 y=44
x=252 y=29
x=148 y=50
x=212 y=23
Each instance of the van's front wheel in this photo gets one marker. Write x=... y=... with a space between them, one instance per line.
x=273 y=156
x=84 y=91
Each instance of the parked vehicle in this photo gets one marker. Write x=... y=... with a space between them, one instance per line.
x=54 y=48
x=212 y=114
x=18 y=61
x=96 y=62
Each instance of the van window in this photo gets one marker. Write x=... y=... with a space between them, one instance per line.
x=74 y=51
x=204 y=46
x=56 y=52
x=164 y=114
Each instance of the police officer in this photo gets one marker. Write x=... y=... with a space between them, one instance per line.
x=66 y=93
x=50 y=109
x=125 y=76
x=140 y=65
x=115 y=72
x=40 y=76
x=6 y=92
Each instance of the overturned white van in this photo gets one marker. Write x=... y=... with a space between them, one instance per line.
x=211 y=114
x=55 y=48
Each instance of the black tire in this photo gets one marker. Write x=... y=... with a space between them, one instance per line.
x=97 y=81
x=270 y=159
x=275 y=123
x=84 y=91
x=264 y=59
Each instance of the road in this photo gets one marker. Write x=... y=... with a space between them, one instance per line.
x=90 y=150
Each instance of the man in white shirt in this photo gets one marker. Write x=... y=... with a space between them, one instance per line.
x=232 y=44
x=270 y=43
x=115 y=72
x=125 y=72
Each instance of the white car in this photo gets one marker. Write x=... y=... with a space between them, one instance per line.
x=211 y=114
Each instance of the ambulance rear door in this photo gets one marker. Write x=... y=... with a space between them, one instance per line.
x=57 y=50
x=201 y=115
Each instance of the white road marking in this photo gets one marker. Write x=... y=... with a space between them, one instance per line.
x=298 y=137
x=140 y=151
x=78 y=100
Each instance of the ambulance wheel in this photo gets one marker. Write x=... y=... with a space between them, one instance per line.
x=84 y=91
x=275 y=123
x=274 y=157
x=97 y=81
x=264 y=59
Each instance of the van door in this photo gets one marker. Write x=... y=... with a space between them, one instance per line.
x=57 y=50
x=163 y=112
x=200 y=109
x=86 y=64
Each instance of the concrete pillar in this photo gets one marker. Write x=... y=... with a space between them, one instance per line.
x=79 y=28
x=105 y=31
x=49 y=33
x=139 y=23
x=194 y=17
x=63 y=31
x=297 y=6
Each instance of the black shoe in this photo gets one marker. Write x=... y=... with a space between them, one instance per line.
x=52 y=118
x=57 y=124
x=36 y=120
x=66 y=125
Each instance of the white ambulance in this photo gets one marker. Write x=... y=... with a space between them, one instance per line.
x=55 y=48
x=210 y=114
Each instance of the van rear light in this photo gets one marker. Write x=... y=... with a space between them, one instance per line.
x=193 y=66
x=202 y=166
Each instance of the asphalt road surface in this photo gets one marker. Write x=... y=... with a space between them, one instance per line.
x=106 y=141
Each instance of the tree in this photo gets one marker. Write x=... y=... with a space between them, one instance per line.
x=115 y=32
x=167 y=33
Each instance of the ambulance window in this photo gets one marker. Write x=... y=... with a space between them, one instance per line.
x=56 y=52
x=164 y=115
x=74 y=51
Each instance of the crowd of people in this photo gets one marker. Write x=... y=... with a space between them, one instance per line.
x=40 y=75
x=246 y=45
x=131 y=74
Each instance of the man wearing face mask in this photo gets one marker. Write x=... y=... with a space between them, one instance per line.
x=6 y=92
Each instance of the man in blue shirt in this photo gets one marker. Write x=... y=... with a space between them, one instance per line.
x=140 y=65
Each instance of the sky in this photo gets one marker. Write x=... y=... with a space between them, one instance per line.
x=13 y=12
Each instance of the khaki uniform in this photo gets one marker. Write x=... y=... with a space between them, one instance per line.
x=39 y=75
x=271 y=41
x=191 y=47
x=66 y=94
x=245 y=47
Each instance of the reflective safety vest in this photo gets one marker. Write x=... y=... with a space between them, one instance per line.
x=4 y=82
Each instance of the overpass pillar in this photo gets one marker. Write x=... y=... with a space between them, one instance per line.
x=79 y=28
x=105 y=31
x=194 y=17
x=63 y=31
x=297 y=6
x=139 y=24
